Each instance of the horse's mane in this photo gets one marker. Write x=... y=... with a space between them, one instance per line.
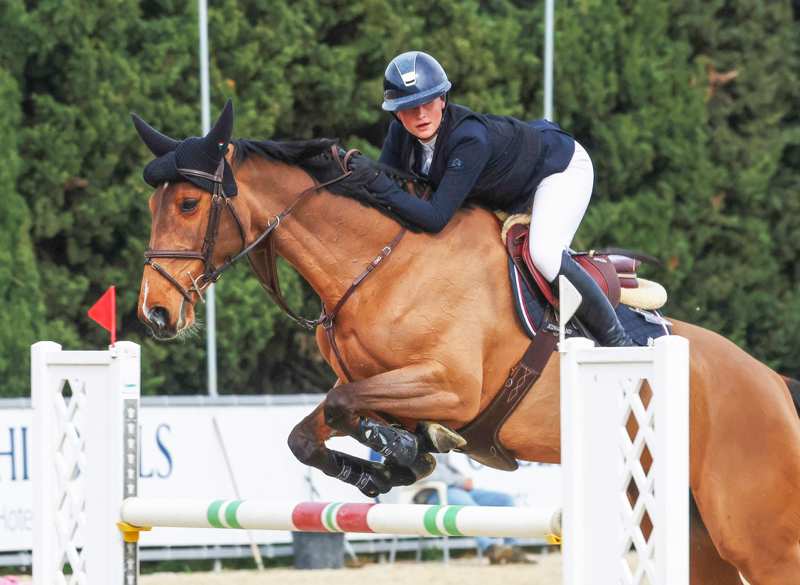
x=315 y=157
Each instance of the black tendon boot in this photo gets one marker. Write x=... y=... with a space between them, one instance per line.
x=595 y=312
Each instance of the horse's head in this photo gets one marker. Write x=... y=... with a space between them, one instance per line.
x=191 y=235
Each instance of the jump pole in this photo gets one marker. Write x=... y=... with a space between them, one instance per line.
x=409 y=519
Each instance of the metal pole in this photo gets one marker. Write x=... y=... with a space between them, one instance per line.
x=205 y=118
x=253 y=546
x=549 y=11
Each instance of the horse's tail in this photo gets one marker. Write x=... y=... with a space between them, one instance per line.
x=794 y=390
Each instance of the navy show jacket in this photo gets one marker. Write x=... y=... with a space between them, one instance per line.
x=493 y=161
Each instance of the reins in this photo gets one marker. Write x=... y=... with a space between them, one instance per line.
x=271 y=284
x=269 y=279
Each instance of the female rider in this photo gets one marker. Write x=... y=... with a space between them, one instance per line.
x=498 y=162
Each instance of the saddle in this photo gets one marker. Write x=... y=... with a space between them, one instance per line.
x=616 y=274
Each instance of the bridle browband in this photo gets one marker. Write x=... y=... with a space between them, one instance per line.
x=212 y=273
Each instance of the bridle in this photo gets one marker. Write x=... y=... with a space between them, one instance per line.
x=219 y=202
x=212 y=273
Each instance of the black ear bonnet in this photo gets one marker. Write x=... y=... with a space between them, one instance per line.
x=195 y=154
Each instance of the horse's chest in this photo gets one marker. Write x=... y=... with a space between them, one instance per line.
x=351 y=352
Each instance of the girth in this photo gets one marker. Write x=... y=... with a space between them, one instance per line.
x=483 y=433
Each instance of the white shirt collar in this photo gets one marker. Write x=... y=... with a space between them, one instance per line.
x=430 y=144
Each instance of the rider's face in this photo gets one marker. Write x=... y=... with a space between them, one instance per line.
x=423 y=121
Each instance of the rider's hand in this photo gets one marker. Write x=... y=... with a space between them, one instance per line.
x=469 y=485
x=380 y=181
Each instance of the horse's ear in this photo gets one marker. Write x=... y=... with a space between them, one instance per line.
x=158 y=143
x=220 y=134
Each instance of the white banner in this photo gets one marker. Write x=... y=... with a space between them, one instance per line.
x=181 y=456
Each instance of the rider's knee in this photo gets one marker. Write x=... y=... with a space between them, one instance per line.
x=547 y=258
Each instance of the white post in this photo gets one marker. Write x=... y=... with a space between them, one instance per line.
x=575 y=477
x=608 y=428
x=672 y=464
x=85 y=461
x=205 y=124
x=46 y=553
x=112 y=447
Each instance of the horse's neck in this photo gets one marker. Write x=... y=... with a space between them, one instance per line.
x=329 y=239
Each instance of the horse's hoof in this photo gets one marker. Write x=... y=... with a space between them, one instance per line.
x=377 y=479
x=401 y=475
x=440 y=438
x=420 y=468
x=423 y=465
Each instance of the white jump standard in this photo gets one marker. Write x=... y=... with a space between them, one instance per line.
x=620 y=407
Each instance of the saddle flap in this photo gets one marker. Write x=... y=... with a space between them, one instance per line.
x=600 y=267
x=517 y=248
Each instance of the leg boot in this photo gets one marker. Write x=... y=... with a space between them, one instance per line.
x=595 y=312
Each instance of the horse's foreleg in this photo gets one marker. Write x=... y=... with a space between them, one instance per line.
x=307 y=443
x=419 y=392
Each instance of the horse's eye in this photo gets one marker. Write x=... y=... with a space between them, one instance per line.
x=188 y=204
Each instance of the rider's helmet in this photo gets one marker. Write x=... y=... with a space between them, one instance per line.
x=412 y=79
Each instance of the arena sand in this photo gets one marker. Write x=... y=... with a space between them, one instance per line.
x=546 y=571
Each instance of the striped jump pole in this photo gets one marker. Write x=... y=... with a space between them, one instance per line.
x=411 y=519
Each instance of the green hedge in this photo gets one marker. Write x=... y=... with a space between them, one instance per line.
x=695 y=166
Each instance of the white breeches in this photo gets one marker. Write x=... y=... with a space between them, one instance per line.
x=559 y=204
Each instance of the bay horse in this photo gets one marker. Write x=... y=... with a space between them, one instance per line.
x=431 y=334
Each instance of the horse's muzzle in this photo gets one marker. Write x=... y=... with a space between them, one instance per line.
x=158 y=320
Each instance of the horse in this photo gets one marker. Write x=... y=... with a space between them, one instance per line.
x=431 y=333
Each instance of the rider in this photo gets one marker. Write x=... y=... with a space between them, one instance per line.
x=498 y=162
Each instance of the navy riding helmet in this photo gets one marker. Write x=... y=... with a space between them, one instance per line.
x=412 y=79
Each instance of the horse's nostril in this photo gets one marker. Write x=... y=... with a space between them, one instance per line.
x=159 y=317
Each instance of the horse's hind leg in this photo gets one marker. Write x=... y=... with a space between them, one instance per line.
x=707 y=567
x=746 y=471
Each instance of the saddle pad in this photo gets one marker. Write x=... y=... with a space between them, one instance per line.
x=643 y=326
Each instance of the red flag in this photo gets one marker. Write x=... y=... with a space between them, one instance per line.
x=104 y=312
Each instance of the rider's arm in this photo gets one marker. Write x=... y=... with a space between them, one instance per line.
x=465 y=163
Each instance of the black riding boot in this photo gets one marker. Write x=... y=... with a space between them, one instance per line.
x=595 y=312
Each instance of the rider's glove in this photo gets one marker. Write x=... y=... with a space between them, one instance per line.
x=380 y=182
